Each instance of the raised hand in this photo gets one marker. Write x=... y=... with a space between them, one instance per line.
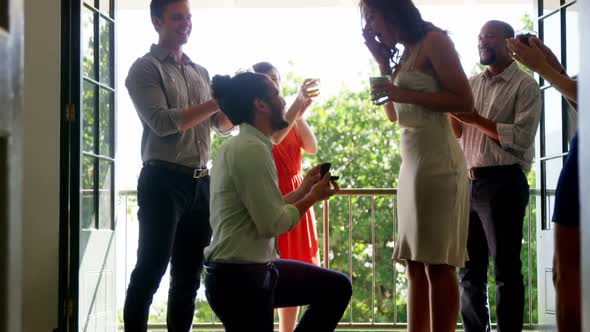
x=549 y=55
x=304 y=99
x=380 y=52
x=531 y=56
x=306 y=89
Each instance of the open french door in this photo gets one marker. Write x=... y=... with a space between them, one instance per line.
x=87 y=221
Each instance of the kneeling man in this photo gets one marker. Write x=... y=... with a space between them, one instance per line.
x=245 y=279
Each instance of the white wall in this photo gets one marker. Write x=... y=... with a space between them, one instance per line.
x=584 y=129
x=41 y=165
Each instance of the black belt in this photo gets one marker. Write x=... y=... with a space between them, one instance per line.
x=196 y=173
x=214 y=267
x=491 y=171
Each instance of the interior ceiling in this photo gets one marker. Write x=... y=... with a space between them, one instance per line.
x=142 y=4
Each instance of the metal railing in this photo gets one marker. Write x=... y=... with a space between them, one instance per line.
x=330 y=227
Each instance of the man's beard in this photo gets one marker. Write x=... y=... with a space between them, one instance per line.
x=277 y=118
x=490 y=60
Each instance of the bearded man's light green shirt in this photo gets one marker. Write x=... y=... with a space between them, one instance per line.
x=248 y=211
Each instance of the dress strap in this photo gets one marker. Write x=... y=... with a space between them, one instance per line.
x=412 y=58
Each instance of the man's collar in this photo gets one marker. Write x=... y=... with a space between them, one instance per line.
x=162 y=54
x=249 y=130
x=506 y=74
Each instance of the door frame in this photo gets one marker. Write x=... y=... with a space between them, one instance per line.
x=69 y=218
x=546 y=161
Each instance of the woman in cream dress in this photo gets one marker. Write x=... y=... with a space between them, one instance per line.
x=433 y=192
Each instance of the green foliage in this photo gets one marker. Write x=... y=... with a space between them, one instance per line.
x=203 y=312
x=527 y=22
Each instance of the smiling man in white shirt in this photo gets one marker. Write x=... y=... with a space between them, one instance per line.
x=498 y=143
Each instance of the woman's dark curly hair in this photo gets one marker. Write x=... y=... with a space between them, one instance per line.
x=405 y=17
x=235 y=95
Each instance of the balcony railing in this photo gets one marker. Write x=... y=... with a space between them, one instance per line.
x=357 y=230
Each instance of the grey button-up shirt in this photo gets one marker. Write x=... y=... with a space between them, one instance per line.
x=160 y=90
x=511 y=100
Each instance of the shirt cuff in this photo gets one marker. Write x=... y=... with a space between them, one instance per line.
x=176 y=117
x=294 y=213
x=506 y=134
x=218 y=130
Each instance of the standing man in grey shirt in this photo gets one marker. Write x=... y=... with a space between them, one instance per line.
x=172 y=97
x=498 y=142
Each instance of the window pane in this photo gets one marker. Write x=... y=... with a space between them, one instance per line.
x=87 y=210
x=105 y=6
x=552 y=169
x=550 y=5
x=104 y=55
x=88 y=116
x=538 y=142
x=553 y=122
x=105 y=122
x=105 y=215
x=552 y=34
x=87 y=43
x=572 y=40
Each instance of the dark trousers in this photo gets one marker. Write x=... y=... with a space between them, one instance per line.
x=498 y=204
x=244 y=296
x=173 y=227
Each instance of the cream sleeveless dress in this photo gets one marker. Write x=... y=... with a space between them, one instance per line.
x=433 y=187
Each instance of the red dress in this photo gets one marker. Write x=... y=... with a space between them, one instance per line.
x=300 y=243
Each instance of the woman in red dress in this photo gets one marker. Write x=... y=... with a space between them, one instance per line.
x=300 y=243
